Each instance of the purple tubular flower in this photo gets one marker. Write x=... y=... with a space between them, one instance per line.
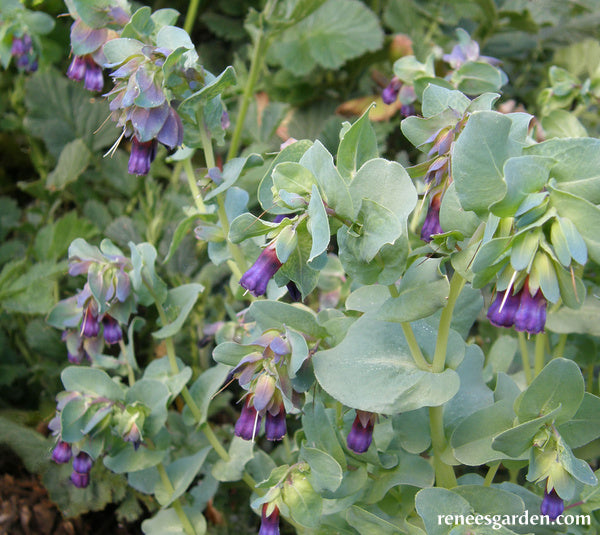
x=269 y=525
x=142 y=155
x=90 y=326
x=248 y=423
x=61 y=453
x=293 y=291
x=93 y=80
x=275 y=427
x=360 y=437
x=255 y=280
x=531 y=315
x=82 y=463
x=112 y=330
x=77 y=69
x=390 y=92
x=552 y=504
x=503 y=316
x=431 y=225
x=81 y=481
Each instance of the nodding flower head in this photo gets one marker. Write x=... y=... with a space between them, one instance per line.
x=112 y=330
x=248 y=423
x=86 y=69
x=275 y=426
x=61 y=453
x=255 y=280
x=361 y=435
x=503 y=310
x=552 y=504
x=431 y=225
x=142 y=155
x=269 y=524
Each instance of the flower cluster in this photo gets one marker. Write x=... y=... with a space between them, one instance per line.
x=264 y=375
x=24 y=54
x=94 y=315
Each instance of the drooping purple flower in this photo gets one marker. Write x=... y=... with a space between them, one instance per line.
x=248 y=423
x=142 y=155
x=275 y=426
x=62 y=452
x=22 y=50
x=431 y=225
x=255 y=280
x=85 y=68
x=82 y=463
x=503 y=310
x=81 y=481
x=269 y=525
x=407 y=110
x=90 y=326
x=552 y=504
x=112 y=330
x=531 y=315
x=390 y=92
x=361 y=435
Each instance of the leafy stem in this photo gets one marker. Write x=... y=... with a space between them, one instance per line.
x=190 y=16
x=261 y=43
x=525 y=357
x=185 y=521
x=540 y=346
x=189 y=173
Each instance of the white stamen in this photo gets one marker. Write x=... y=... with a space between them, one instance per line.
x=508 y=291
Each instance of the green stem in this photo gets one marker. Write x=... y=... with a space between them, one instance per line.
x=439 y=357
x=525 y=357
x=559 y=350
x=207 y=147
x=191 y=178
x=258 y=54
x=187 y=525
x=415 y=350
x=540 y=343
x=189 y=400
x=130 y=375
x=444 y=474
x=589 y=387
x=489 y=477
x=190 y=16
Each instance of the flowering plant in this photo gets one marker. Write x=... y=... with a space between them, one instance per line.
x=367 y=306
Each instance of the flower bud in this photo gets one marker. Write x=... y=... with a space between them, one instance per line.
x=134 y=436
x=390 y=92
x=431 y=225
x=61 y=453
